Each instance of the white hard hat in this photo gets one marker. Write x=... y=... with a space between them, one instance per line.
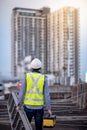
x=36 y=64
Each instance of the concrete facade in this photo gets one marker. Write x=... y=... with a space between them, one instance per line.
x=51 y=37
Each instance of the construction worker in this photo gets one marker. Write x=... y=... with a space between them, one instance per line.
x=34 y=93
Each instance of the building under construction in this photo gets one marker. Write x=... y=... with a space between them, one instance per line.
x=51 y=37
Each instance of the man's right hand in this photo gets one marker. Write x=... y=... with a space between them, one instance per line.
x=49 y=112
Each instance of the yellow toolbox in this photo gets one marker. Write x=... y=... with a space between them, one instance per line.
x=49 y=121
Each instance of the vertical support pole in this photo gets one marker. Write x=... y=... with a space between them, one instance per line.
x=81 y=96
x=77 y=94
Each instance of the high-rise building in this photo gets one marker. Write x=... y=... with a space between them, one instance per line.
x=63 y=43
x=29 y=36
x=51 y=37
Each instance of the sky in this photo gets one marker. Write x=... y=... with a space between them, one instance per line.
x=6 y=7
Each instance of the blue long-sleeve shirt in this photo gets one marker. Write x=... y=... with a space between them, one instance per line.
x=46 y=95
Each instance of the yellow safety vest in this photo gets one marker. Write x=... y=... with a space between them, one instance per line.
x=34 y=95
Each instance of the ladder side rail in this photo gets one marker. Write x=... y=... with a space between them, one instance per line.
x=21 y=114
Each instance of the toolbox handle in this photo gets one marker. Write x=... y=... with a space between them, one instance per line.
x=49 y=115
x=52 y=116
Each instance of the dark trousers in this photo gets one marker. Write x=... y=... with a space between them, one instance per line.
x=38 y=116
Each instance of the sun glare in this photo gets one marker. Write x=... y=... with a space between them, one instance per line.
x=56 y=4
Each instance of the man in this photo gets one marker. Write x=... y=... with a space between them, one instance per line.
x=34 y=93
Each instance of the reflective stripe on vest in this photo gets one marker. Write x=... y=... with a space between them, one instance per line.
x=34 y=95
